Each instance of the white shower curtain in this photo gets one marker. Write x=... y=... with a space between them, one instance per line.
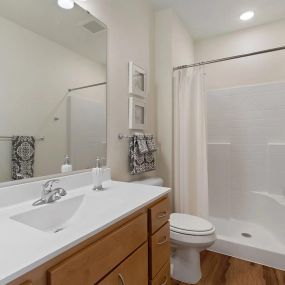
x=190 y=142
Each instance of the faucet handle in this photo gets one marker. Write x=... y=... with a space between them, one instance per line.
x=49 y=184
x=61 y=191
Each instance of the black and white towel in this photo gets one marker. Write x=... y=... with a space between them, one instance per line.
x=142 y=144
x=23 y=157
x=151 y=144
x=150 y=163
x=141 y=156
x=136 y=159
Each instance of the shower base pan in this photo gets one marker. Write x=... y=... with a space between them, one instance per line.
x=248 y=241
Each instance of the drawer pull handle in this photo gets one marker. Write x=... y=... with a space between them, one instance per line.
x=162 y=215
x=164 y=282
x=165 y=240
x=122 y=279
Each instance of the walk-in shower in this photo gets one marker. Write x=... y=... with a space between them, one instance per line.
x=246 y=164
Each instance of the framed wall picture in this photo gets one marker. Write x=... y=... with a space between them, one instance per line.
x=137 y=114
x=137 y=80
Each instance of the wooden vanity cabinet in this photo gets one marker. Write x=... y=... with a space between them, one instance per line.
x=92 y=263
x=160 y=250
x=163 y=277
x=135 y=251
x=158 y=215
x=159 y=243
x=134 y=270
x=109 y=280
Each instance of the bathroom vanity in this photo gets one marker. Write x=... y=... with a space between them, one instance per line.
x=116 y=236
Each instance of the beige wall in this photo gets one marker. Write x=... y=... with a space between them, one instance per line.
x=251 y=70
x=130 y=37
x=173 y=46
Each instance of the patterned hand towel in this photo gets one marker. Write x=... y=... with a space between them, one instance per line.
x=151 y=144
x=141 y=156
x=23 y=157
x=150 y=163
x=142 y=144
x=136 y=159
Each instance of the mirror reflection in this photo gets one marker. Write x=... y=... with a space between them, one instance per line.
x=52 y=89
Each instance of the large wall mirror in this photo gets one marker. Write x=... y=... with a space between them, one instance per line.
x=52 y=88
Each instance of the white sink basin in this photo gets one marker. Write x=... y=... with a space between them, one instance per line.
x=53 y=217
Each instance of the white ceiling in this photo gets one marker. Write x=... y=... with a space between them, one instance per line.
x=64 y=27
x=206 y=18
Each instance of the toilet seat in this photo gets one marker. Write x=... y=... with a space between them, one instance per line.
x=190 y=225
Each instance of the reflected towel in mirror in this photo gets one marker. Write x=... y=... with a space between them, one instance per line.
x=23 y=157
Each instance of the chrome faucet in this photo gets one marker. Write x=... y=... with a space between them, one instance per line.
x=50 y=195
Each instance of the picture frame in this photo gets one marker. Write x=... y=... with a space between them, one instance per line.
x=137 y=80
x=137 y=114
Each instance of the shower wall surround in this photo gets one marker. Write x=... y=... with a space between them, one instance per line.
x=246 y=146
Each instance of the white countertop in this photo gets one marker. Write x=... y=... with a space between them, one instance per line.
x=23 y=248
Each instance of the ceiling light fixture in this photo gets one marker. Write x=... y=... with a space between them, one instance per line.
x=65 y=4
x=247 y=15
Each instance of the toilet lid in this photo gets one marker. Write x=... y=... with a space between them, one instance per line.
x=188 y=224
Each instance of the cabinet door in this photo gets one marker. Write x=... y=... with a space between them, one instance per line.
x=92 y=263
x=134 y=270
x=109 y=280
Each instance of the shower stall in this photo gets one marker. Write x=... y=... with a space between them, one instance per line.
x=246 y=157
x=246 y=166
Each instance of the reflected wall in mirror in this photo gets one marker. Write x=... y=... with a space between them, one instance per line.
x=52 y=88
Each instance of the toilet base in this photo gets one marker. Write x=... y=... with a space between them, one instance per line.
x=186 y=265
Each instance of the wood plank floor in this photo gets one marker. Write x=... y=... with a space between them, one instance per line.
x=218 y=269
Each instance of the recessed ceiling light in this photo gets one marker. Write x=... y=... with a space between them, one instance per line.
x=247 y=15
x=65 y=4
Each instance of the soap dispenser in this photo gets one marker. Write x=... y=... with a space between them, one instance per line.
x=97 y=175
x=66 y=167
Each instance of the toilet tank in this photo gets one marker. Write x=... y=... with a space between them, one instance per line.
x=154 y=181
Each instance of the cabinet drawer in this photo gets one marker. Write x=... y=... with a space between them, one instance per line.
x=159 y=215
x=134 y=270
x=89 y=265
x=163 y=277
x=160 y=249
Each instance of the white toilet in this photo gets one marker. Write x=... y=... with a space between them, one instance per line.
x=189 y=236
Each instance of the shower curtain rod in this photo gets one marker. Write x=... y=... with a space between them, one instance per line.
x=87 y=86
x=229 y=58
